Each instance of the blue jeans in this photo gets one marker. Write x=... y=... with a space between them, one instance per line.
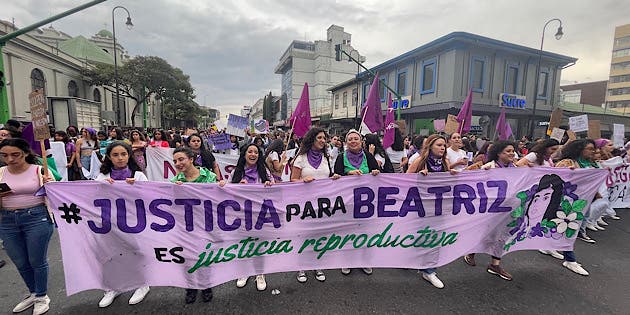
x=26 y=233
x=85 y=162
x=569 y=256
x=428 y=270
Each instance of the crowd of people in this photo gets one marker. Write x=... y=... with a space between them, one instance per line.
x=26 y=225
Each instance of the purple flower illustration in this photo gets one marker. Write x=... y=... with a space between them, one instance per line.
x=536 y=231
x=569 y=190
x=519 y=222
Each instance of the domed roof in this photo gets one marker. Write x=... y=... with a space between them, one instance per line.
x=105 y=33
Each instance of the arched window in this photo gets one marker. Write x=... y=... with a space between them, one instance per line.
x=97 y=95
x=73 y=89
x=37 y=80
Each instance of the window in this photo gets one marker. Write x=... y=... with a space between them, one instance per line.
x=477 y=73
x=622 y=41
x=543 y=82
x=401 y=83
x=621 y=53
x=382 y=92
x=73 y=89
x=345 y=99
x=621 y=66
x=97 y=95
x=366 y=90
x=427 y=82
x=511 y=79
x=37 y=80
x=355 y=97
x=620 y=78
x=619 y=91
x=336 y=101
x=619 y=104
x=574 y=96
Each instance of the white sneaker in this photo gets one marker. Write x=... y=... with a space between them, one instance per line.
x=25 y=304
x=241 y=282
x=615 y=217
x=346 y=271
x=591 y=227
x=368 y=271
x=108 y=298
x=601 y=222
x=320 y=276
x=41 y=305
x=301 y=276
x=552 y=253
x=433 y=279
x=261 y=284
x=139 y=295
x=575 y=267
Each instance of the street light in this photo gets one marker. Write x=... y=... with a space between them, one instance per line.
x=356 y=107
x=558 y=36
x=129 y=26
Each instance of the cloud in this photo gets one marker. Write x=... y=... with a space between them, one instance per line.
x=230 y=48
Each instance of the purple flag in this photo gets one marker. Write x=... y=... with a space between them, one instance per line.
x=390 y=125
x=28 y=134
x=371 y=111
x=301 y=118
x=503 y=127
x=465 y=114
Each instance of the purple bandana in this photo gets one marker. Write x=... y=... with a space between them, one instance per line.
x=251 y=175
x=501 y=165
x=198 y=160
x=315 y=158
x=120 y=174
x=355 y=159
x=434 y=163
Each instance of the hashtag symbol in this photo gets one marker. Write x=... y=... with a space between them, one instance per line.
x=70 y=213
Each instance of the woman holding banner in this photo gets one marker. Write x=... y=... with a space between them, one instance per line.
x=432 y=160
x=457 y=158
x=374 y=146
x=187 y=172
x=312 y=163
x=355 y=161
x=251 y=169
x=203 y=156
x=160 y=140
x=501 y=155
x=139 y=146
x=25 y=224
x=119 y=165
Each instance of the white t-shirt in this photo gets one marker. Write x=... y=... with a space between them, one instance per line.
x=273 y=156
x=138 y=176
x=379 y=158
x=333 y=152
x=413 y=157
x=395 y=156
x=531 y=158
x=322 y=172
x=454 y=156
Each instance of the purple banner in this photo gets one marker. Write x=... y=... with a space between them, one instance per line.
x=220 y=141
x=120 y=236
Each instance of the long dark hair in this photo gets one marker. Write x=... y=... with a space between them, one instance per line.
x=21 y=144
x=309 y=140
x=540 y=149
x=557 y=184
x=275 y=146
x=378 y=146
x=107 y=165
x=163 y=136
x=497 y=148
x=119 y=134
x=239 y=170
x=574 y=149
x=207 y=158
x=398 y=144
x=64 y=136
x=140 y=135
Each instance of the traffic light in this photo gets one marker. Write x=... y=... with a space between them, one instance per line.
x=338 y=53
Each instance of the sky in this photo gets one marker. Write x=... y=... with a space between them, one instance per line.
x=230 y=48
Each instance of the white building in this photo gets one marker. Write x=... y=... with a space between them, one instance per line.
x=314 y=63
x=49 y=59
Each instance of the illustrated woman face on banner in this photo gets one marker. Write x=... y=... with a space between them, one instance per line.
x=546 y=200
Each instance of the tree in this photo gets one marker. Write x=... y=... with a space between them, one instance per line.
x=144 y=77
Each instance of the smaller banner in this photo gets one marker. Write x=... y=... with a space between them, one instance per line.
x=578 y=123
x=261 y=126
x=220 y=141
x=618 y=182
x=619 y=131
x=236 y=125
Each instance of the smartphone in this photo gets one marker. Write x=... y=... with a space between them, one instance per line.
x=4 y=188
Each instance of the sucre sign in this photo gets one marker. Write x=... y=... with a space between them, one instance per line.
x=512 y=101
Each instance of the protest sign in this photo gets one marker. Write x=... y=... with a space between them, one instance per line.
x=220 y=141
x=439 y=124
x=261 y=126
x=617 y=182
x=236 y=125
x=202 y=235
x=38 y=114
x=619 y=131
x=555 y=120
x=571 y=135
x=557 y=134
x=578 y=123
x=452 y=125
x=594 y=129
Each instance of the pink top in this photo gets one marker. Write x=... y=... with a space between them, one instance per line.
x=23 y=187
x=160 y=143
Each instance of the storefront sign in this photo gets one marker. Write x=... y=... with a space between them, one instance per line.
x=512 y=101
x=404 y=103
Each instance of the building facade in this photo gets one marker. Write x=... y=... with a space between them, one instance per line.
x=618 y=96
x=433 y=81
x=314 y=63
x=590 y=93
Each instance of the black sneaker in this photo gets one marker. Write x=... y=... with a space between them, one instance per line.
x=586 y=238
x=191 y=296
x=206 y=295
x=2 y=263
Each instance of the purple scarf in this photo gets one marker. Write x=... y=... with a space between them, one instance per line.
x=315 y=158
x=198 y=160
x=120 y=174
x=355 y=159
x=434 y=163
x=500 y=165
x=251 y=175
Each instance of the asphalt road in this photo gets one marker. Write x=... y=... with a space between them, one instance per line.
x=541 y=285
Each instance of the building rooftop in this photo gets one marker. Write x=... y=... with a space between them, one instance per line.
x=81 y=48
